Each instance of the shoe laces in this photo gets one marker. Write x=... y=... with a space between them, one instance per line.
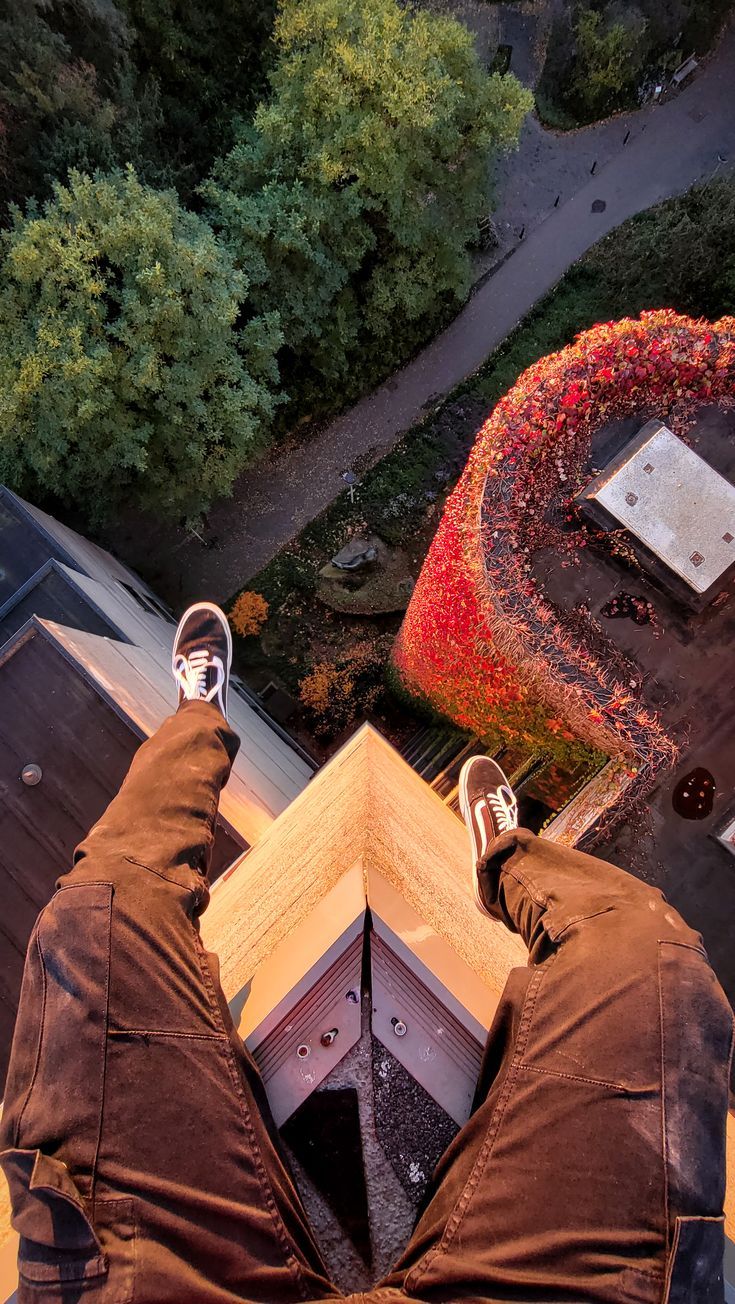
x=191 y=674
x=504 y=808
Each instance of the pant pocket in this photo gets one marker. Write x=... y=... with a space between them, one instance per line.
x=695 y=1272
x=62 y=1251
x=55 y=1086
x=57 y=1240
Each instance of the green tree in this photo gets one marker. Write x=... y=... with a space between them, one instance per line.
x=609 y=59
x=210 y=61
x=62 y=110
x=301 y=248
x=353 y=196
x=128 y=369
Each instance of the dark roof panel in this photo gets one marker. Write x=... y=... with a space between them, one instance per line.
x=24 y=548
x=52 y=595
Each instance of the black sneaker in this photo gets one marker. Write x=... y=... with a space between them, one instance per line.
x=488 y=808
x=202 y=655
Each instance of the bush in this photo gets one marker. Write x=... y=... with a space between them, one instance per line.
x=680 y=254
x=127 y=366
x=248 y=614
x=602 y=54
x=608 y=64
x=336 y=692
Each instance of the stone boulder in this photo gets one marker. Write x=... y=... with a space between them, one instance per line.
x=381 y=582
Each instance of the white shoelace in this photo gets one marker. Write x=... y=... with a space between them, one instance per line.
x=504 y=808
x=191 y=674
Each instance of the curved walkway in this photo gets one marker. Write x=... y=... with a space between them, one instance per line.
x=684 y=141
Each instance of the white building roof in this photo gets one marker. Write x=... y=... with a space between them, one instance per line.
x=674 y=502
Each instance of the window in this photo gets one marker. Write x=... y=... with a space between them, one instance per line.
x=148 y=602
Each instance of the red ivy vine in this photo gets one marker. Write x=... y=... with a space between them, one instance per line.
x=480 y=642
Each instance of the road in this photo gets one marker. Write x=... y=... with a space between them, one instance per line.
x=675 y=145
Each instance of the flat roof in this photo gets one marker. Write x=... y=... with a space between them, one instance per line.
x=667 y=496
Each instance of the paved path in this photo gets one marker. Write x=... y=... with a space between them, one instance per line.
x=682 y=143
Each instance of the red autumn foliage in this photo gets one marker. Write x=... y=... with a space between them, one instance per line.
x=480 y=642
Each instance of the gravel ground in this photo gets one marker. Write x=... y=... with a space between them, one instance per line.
x=391 y=1211
x=404 y=1133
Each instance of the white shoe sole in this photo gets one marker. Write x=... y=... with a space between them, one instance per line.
x=215 y=611
x=464 y=806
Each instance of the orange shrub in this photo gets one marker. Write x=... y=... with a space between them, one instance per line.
x=326 y=689
x=337 y=691
x=249 y=613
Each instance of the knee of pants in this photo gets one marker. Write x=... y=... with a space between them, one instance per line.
x=634 y=920
x=657 y=940
x=652 y=918
x=630 y=935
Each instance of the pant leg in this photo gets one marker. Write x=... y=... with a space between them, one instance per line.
x=141 y=1156
x=597 y=1143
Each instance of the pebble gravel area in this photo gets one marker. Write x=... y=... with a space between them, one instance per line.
x=404 y=1133
x=413 y=1130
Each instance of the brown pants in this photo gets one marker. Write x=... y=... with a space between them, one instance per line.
x=142 y=1160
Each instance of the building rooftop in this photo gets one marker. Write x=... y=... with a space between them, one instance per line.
x=118 y=631
x=685 y=661
x=674 y=502
x=29 y=537
x=265 y=776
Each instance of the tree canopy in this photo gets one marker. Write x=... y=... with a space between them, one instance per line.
x=127 y=366
x=70 y=97
x=679 y=253
x=144 y=347
x=610 y=57
x=209 y=61
x=353 y=195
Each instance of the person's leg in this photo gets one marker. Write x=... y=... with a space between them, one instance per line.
x=597 y=1143
x=140 y=1153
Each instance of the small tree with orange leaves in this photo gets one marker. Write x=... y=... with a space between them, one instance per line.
x=337 y=691
x=248 y=614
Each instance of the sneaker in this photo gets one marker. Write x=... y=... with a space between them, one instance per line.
x=488 y=807
x=202 y=655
